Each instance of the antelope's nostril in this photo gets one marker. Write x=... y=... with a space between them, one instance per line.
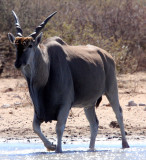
x=17 y=65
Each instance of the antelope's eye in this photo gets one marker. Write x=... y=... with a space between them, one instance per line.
x=30 y=46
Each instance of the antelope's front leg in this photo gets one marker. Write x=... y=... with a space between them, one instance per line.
x=61 y=121
x=37 y=130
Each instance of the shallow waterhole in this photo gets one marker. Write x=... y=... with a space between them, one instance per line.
x=78 y=150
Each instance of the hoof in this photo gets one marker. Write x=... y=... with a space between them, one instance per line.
x=125 y=145
x=91 y=150
x=51 y=147
x=58 y=150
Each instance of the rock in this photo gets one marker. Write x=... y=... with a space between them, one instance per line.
x=5 y=105
x=132 y=103
x=8 y=90
x=17 y=96
x=101 y=127
x=17 y=103
x=107 y=105
x=142 y=104
x=114 y=124
x=115 y=137
x=10 y=112
x=109 y=137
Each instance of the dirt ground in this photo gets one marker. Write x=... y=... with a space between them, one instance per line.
x=16 y=112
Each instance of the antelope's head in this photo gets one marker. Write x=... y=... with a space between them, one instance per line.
x=26 y=45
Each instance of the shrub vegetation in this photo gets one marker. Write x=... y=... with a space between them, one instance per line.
x=114 y=25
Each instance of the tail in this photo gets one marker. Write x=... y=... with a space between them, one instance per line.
x=98 y=102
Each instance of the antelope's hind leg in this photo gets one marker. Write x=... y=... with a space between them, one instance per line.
x=93 y=121
x=112 y=96
x=118 y=112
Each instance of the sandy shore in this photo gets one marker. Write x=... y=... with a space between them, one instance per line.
x=16 y=112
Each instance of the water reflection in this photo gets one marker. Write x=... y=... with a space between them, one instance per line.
x=107 y=150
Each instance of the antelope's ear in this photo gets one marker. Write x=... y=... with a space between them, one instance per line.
x=38 y=39
x=11 y=38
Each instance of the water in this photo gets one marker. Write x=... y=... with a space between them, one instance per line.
x=105 y=150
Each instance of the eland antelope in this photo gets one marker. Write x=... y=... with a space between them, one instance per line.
x=60 y=76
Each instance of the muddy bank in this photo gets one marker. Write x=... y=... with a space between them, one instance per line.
x=16 y=112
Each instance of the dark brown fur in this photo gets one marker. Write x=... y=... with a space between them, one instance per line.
x=23 y=41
